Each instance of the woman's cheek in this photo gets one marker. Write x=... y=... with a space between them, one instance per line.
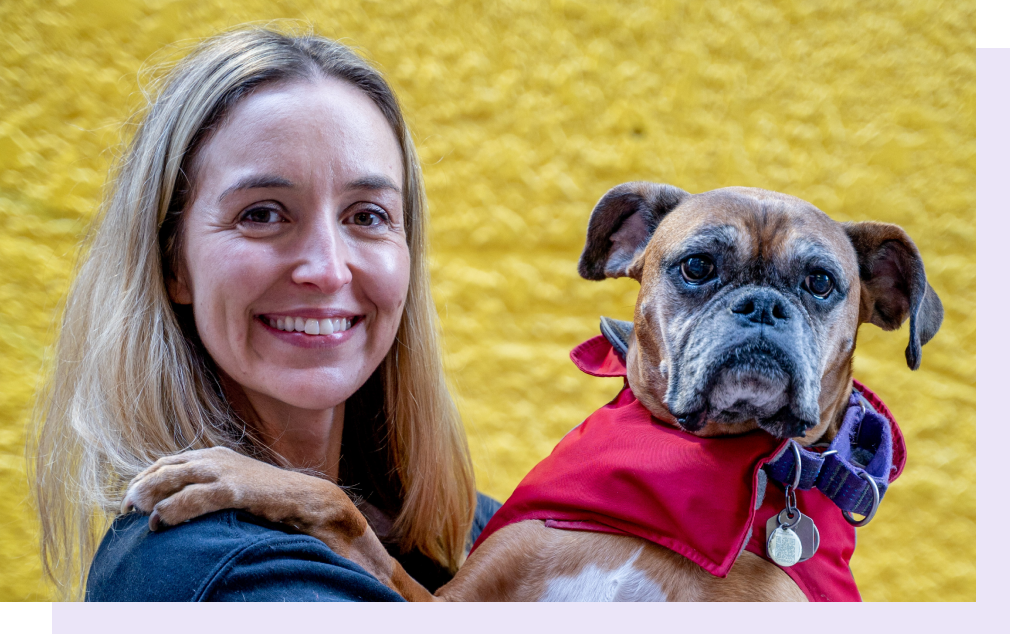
x=389 y=270
x=387 y=276
x=226 y=282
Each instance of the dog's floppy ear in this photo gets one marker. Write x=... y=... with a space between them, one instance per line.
x=894 y=286
x=622 y=224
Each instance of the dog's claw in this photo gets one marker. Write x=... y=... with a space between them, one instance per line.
x=154 y=522
x=127 y=505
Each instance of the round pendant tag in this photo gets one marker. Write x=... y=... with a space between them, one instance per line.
x=784 y=546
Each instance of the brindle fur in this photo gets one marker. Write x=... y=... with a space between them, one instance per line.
x=764 y=244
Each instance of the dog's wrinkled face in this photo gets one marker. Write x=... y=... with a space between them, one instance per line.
x=750 y=303
x=745 y=302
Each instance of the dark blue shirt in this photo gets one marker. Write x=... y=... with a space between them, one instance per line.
x=232 y=556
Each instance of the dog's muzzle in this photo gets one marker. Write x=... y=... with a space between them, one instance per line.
x=752 y=357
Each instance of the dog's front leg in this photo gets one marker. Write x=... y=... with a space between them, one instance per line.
x=181 y=487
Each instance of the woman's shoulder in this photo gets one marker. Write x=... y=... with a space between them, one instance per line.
x=224 y=556
x=486 y=507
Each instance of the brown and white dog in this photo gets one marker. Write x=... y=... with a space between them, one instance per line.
x=711 y=266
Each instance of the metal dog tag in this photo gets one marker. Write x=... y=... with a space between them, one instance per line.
x=784 y=546
x=802 y=528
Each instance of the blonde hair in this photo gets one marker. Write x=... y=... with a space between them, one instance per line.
x=130 y=381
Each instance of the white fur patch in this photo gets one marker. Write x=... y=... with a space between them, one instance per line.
x=595 y=584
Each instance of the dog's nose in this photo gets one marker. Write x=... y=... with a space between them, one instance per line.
x=762 y=306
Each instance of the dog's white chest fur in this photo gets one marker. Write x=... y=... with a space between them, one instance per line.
x=625 y=583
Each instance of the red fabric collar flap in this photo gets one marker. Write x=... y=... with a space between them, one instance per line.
x=597 y=357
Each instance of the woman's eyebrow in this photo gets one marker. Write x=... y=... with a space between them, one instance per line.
x=256 y=181
x=374 y=182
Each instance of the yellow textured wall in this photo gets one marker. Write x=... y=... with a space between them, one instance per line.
x=525 y=113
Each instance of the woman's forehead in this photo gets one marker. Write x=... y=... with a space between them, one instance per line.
x=319 y=129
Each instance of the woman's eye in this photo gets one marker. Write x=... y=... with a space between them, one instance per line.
x=261 y=215
x=367 y=218
x=696 y=269
x=820 y=284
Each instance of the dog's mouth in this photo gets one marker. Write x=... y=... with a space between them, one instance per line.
x=741 y=393
x=751 y=384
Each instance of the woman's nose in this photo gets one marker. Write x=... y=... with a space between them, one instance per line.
x=323 y=258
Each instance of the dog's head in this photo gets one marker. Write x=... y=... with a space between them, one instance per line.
x=750 y=303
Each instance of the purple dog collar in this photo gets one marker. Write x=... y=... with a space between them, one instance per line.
x=855 y=469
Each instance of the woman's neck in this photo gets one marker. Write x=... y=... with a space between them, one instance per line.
x=307 y=439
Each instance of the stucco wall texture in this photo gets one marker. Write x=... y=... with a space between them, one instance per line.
x=525 y=113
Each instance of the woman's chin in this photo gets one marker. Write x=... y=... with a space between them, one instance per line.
x=308 y=394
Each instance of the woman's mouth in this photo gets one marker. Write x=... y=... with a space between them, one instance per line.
x=311 y=326
x=311 y=332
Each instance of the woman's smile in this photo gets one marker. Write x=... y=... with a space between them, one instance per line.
x=317 y=328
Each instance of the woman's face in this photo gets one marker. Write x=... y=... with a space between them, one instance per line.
x=294 y=253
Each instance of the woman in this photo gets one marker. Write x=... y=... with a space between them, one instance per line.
x=258 y=282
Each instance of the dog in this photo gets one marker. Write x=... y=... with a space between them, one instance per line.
x=742 y=341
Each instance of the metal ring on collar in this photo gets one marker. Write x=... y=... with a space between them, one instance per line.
x=873 y=509
x=784 y=518
x=798 y=462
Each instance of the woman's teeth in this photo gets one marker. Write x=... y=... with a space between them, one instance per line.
x=310 y=326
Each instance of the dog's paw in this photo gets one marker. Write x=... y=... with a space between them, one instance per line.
x=179 y=488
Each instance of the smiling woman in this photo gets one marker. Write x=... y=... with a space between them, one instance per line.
x=295 y=260
x=257 y=282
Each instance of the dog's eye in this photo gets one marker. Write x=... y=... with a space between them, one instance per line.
x=820 y=284
x=696 y=269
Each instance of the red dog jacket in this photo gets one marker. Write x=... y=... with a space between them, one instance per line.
x=624 y=472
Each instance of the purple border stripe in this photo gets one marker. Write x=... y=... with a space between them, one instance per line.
x=491 y=618
x=993 y=226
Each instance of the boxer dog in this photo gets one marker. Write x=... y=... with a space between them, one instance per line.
x=746 y=320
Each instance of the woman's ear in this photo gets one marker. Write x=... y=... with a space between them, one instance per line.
x=178 y=287
x=173 y=263
x=621 y=224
